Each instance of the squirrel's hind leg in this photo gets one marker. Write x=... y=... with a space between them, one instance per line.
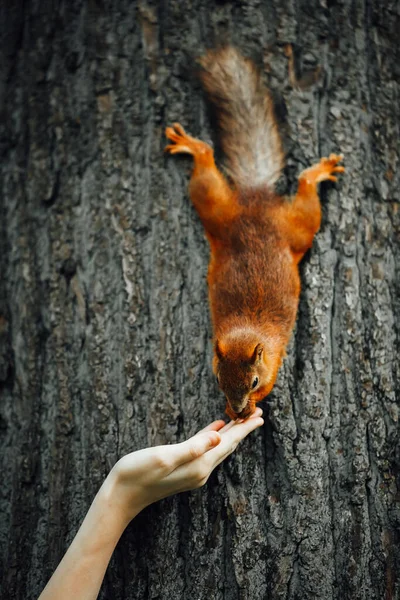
x=213 y=198
x=302 y=216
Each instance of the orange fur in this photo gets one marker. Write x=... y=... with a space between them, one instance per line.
x=257 y=240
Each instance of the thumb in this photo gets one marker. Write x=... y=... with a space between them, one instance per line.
x=196 y=446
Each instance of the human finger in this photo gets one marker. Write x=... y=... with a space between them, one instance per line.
x=194 y=447
x=221 y=426
x=195 y=473
x=227 y=426
x=214 y=426
x=229 y=451
x=241 y=430
x=257 y=413
x=231 y=438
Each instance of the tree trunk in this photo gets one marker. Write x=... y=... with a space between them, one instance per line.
x=104 y=323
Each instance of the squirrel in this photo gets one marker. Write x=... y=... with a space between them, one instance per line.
x=256 y=237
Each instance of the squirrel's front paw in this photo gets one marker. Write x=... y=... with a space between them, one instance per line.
x=182 y=141
x=325 y=169
x=247 y=411
x=231 y=413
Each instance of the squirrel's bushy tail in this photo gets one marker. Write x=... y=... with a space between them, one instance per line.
x=249 y=134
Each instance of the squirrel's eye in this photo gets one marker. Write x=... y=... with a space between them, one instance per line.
x=255 y=381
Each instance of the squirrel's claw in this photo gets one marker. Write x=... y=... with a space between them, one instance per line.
x=179 y=129
x=181 y=141
x=324 y=169
x=175 y=133
x=175 y=148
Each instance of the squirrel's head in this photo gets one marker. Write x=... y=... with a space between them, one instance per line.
x=240 y=365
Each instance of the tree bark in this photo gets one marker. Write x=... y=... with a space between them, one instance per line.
x=104 y=326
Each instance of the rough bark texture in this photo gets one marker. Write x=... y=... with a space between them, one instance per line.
x=105 y=331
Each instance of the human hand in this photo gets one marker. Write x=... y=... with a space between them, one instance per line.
x=139 y=479
x=143 y=477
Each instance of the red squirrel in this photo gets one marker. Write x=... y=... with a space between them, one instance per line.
x=256 y=237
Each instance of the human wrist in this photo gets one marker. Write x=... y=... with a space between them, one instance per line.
x=120 y=498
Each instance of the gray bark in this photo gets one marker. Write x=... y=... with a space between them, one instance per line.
x=105 y=331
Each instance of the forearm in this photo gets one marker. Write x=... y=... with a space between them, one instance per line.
x=81 y=571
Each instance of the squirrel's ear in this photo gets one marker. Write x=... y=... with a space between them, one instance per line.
x=257 y=354
x=218 y=350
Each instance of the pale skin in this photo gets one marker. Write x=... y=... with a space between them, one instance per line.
x=137 y=480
